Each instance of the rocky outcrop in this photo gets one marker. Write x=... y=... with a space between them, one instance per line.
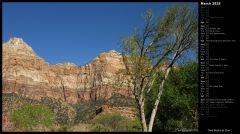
x=27 y=74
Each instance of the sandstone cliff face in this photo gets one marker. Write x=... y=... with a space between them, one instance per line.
x=27 y=74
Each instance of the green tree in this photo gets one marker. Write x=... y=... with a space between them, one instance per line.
x=178 y=109
x=28 y=116
x=151 y=53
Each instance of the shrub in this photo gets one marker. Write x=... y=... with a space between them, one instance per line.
x=134 y=126
x=115 y=122
x=28 y=116
x=65 y=113
x=100 y=128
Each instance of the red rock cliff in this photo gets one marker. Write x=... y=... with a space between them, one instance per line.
x=29 y=75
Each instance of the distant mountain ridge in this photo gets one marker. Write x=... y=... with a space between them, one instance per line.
x=27 y=74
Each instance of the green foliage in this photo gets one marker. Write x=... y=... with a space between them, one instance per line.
x=178 y=105
x=111 y=121
x=65 y=113
x=164 y=41
x=114 y=122
x=100 y=128
x=28 y=116
x=135 y=125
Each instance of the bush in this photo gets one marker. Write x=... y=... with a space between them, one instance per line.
x=28 y=116
x=65 y=113
x=135 y=125
x=114 y=122
x=100 y=128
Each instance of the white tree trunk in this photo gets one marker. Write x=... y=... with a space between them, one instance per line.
x=143 y=119
x=154 y=111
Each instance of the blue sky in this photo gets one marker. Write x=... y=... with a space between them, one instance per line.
x=74 y=32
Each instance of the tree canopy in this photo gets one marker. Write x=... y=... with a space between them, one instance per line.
x=150 y=54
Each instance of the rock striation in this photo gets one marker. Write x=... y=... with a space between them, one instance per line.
x=29 y=75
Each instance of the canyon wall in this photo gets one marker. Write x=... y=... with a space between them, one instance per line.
x=29 y=75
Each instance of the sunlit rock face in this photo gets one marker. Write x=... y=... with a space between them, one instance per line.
x=27 y=74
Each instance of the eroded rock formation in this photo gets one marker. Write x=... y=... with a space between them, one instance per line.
x=27 y=74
